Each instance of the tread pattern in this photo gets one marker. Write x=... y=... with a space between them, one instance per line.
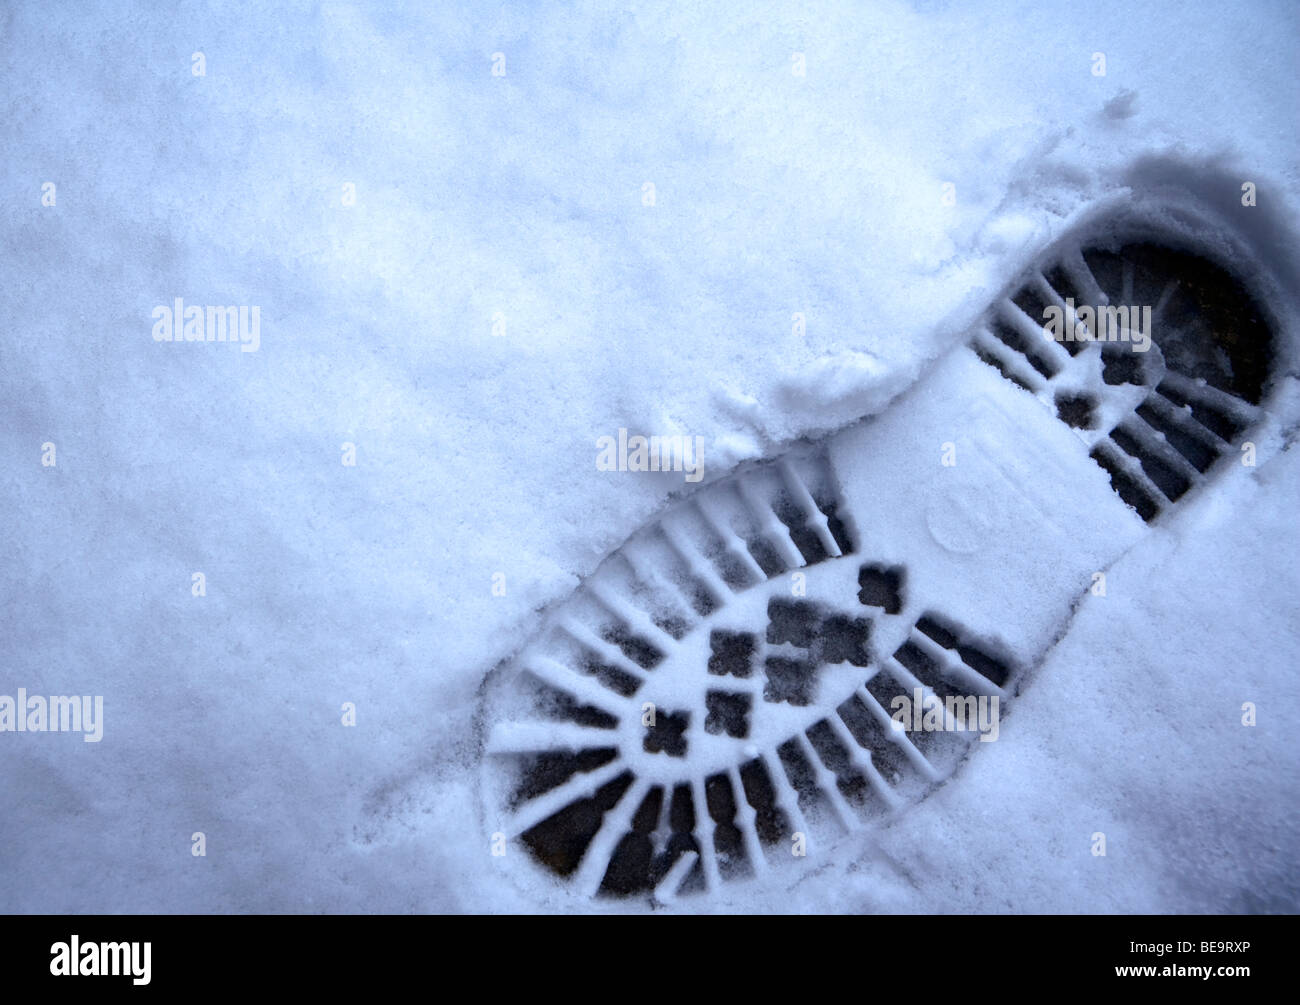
x=715 y=788
x=1203 y=379
x=579 y=797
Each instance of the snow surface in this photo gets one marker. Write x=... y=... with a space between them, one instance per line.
x=522 y=194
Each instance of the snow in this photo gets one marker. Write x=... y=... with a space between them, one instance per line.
x=774 y=195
